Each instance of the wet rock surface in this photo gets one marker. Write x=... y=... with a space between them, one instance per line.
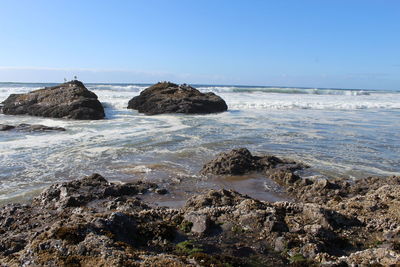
x=241 y=161
x=94 y=222
x=71 y=100
x=338 y=221
x=167 y=97
x=23 y=127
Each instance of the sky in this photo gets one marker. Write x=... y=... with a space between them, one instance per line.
x=321 y=43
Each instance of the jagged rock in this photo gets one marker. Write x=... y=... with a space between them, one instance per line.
x=167 y=97
x=369 y=205
x=240 y=161
x=200 y=222
x=214 y=198
x=374 y=257
x=106 y=224
x=80 y=192
x=29 y=128
x=283 y=177
x=69 y=100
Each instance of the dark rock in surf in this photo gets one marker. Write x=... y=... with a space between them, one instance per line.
x=241 y=161
x=4 y=127
x=167 y=97
x=71 y=100
x=29 y=128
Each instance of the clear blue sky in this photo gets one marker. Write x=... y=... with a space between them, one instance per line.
x=332 y=43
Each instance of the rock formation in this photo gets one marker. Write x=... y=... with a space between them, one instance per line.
x=23 y=127
x=167 y=97
x=91 y=221
x=94 y=222
x=71 y=100
x=241 y=161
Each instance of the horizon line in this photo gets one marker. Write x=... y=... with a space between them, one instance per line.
x=206 y=84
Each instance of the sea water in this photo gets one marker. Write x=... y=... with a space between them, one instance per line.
x=338 y=132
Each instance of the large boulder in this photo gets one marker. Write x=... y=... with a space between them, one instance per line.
x=70 y=100
x=167 y=97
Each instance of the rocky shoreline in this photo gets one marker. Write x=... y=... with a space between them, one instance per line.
x=94 y=222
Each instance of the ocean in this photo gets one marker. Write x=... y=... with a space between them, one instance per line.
x=338 y=132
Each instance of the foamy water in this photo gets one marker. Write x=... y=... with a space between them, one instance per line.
x=350 y=133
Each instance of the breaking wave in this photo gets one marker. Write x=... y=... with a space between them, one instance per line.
x=283 y=90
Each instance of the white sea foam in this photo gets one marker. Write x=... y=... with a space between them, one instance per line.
x=327 y=128
x=117 y=88
x=116 y=96
x=272 y=98
x=294 y=101
x=283 y=90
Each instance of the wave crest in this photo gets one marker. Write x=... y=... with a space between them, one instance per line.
x=283 y=90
